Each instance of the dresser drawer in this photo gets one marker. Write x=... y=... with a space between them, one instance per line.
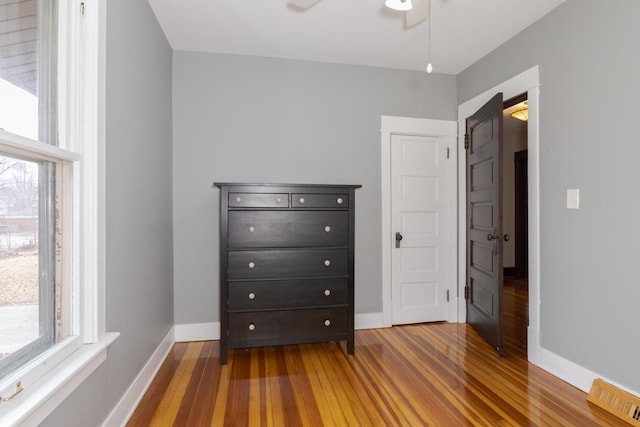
x=299 y=200
x=285 y=263
x=287 y=293
x=287 y=228
x=258 y=200
x=287 y=327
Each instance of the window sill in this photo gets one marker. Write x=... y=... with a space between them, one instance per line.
x=34 y=404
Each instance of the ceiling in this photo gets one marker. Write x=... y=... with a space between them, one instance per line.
x=19 y=43
x=359 y=32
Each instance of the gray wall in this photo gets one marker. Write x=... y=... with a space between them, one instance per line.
x=251 y=119
x=589 y=71
x=139 y=218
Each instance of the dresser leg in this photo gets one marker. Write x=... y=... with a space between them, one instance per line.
x=224 y=354
x=350 y=346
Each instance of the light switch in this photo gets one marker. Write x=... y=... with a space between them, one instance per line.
x=573 y=198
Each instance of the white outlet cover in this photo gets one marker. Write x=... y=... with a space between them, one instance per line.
x=573 y=198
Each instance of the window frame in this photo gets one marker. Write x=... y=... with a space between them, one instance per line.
x=55 y=374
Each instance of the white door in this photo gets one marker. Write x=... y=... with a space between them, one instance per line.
x=421 y=218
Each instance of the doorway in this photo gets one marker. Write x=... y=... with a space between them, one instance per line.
x=445 y=132
x=422 y=226
x=526 y=82
x=515 y=224
x=493 y=136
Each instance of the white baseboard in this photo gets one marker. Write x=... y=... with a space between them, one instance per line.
x=533 y=345
x=576 y=375
x=129 y=401
x=566 y=370
x=368 y=321
x=198 y=332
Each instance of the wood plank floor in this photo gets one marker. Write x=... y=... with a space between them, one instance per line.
x=515 y=315
x=417 y=375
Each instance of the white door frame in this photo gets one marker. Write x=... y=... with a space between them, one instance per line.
x=391 y=125
x=528 y=81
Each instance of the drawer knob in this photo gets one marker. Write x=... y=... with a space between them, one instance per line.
x=252 y=265
x=327 y=228
x=252 y=295
x=339 y=200
x=301 y=200
x=327 y=292
x=252 y=229
x=238 y=199
x=327 y=322
x=252 y=327
x=327 y=263
x=278 y=199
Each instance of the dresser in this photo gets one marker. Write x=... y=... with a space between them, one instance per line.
x=286 y=264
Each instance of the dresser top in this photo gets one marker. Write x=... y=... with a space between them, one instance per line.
x=240 y=184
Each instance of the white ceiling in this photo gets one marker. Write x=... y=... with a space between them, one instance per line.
x=360 y=32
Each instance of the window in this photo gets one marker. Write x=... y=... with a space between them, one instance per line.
x=28 y=199
x=51 y=202
x=27 y=261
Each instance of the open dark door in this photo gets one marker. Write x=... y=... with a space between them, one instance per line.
x=483 y=291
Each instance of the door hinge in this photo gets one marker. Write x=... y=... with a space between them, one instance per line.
x=82 y=8
x=447 y=295
x=466 y=292
x=447 y=152
x=466 y=141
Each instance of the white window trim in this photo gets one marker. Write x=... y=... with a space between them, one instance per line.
x=93 y=223
x=16 y=144
x=54 y=375
x=36 y=402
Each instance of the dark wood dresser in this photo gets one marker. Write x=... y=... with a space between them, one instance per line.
x=286 y=264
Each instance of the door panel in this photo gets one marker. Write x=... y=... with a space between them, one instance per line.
x=482 y=175
x=482 y=257
x=483 y=298
x=420 y=213
x=484 y=222
x=482 y=216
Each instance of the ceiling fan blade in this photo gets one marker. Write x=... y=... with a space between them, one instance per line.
x=417 y=14
x=303 y=4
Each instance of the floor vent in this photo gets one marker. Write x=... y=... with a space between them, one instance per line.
x=618 y=402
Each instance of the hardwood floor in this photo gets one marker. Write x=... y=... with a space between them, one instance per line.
x=515 y=315
x=417 y=375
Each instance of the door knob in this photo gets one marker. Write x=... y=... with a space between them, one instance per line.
x=398 y=238
x=495 y=238
x=506 y=238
